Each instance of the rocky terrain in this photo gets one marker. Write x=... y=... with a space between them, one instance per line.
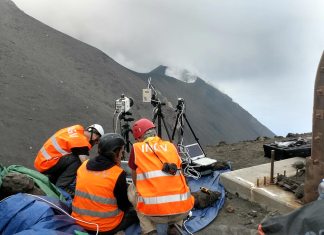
x=239 y=216
x=49 y=80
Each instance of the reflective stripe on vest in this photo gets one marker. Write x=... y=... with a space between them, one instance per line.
x=95 y=213
x=94 y=199
x=58 y=147
x=109 y=201
x=45 y=154
x=160 y=193
x=165 y=199
x=153 y=174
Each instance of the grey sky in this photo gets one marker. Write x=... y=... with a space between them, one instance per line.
x=263 y=54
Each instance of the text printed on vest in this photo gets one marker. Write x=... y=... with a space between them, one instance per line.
x=72 y=132
x=146 y=148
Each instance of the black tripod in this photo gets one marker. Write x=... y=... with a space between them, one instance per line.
x=125 y=129
x=179 y=120
x=159 y=115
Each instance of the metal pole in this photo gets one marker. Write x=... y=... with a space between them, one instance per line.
x=272 y=166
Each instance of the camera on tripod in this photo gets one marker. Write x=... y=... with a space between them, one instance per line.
x=180 y=105
x=123 y=104
x=122 y=107
x=155 y=101
x=124 y=117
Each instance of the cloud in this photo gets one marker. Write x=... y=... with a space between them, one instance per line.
x=181 y=74
x=270 y=49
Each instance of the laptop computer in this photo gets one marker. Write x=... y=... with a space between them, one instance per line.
x=197 y=156
x=194 y=151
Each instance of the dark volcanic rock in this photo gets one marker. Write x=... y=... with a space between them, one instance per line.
x=14 y=183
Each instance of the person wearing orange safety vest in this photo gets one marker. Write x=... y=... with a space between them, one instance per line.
x=159 y=191
x=62 y=154
x=100 y=203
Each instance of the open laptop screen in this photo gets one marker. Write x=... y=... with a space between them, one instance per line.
x=194 y=151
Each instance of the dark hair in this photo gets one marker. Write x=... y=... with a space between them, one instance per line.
x=111 y=154
x=110 y=143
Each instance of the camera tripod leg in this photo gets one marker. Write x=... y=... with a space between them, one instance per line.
x=193 y=133
x=178 y=120
x=160 y=118
x=125 y=133
x=126 y=138
x=127 y=146
x=166 y=129
x=159 y=123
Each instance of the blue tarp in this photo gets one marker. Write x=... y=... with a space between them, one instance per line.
x=27 y=214
x=200 y=218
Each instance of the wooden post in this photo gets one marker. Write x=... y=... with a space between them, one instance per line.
x=315 y=163
x=272 y=166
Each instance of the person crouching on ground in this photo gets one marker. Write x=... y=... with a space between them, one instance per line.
x=101 y=190
x=159 y=191
x=63 y=153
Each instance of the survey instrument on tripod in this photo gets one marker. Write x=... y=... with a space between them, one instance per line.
x=157 y=110
x=123 y=118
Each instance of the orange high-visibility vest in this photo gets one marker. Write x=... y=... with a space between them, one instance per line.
x=94 y=199
x=59 y=145
x=160 y=193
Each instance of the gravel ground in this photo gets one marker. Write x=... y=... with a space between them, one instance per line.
x=239 y=216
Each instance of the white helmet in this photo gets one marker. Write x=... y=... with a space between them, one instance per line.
x=98 y=128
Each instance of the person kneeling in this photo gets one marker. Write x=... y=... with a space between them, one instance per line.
x=159 y=191
x=100 y=202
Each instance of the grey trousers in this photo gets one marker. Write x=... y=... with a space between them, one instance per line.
x=64 y=172
x=148 y=223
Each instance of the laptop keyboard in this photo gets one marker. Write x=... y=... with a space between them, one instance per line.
x=204 y=161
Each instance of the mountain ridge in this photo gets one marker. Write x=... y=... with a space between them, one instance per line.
x=49 y=80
